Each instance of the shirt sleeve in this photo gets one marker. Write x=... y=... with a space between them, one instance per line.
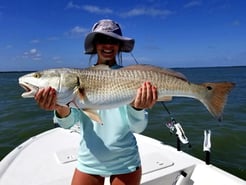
x=66 y=122
x=137 y=119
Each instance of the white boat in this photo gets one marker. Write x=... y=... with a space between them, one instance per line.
x=50 y=159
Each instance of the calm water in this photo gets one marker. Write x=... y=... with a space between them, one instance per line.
x=21 y=118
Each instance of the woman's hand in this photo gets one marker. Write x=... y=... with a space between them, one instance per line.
x=146 y=96
x=46 y=99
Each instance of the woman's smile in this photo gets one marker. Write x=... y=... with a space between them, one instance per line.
x=107 y=51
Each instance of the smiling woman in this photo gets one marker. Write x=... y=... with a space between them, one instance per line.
x=106 y=41
x=112 y=30
x=113 y=150
x=107 y=49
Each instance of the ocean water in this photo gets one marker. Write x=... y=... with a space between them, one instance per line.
x=21 y=118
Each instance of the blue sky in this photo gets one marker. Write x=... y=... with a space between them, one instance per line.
x=45 y=34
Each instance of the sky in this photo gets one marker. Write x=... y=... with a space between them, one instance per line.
x=42 y=34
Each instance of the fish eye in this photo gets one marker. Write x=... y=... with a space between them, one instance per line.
x=37 y=75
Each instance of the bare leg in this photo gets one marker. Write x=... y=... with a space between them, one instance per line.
x=80 y=178
x=132 y=178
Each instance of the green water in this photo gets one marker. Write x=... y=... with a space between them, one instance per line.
x=21 y=118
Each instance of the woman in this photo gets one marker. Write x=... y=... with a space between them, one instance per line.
x=109 y=149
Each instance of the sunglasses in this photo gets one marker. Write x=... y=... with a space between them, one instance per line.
x=106 y=40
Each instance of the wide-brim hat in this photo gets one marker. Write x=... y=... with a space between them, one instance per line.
x=109 y=28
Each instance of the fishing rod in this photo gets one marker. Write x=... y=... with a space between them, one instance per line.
x=181 y=137
x=173 y=126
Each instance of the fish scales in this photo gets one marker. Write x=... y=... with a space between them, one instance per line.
x=113 y=86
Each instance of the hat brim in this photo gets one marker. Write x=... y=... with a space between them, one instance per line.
x=127 y=44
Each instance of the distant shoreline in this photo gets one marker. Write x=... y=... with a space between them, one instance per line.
x=240 y=66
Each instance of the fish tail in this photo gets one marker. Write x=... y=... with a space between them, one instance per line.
x=216 y=96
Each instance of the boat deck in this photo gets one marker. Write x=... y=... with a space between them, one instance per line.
x=50 y=158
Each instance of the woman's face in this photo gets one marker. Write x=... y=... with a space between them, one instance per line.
x=107 y=48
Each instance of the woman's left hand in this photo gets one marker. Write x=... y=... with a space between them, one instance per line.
x=146 y=96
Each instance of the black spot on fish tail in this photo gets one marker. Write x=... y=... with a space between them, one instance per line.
x=216 y=97
x=209 y=88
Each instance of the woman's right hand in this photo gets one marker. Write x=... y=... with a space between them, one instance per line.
x=46 y=99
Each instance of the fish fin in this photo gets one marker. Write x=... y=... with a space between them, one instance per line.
x=165 y=98
x=93 y=115
x=216 y=97
x=80 y=92
x=147 y=67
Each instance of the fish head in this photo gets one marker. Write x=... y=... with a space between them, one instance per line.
x=64 y=81
x=32 y=82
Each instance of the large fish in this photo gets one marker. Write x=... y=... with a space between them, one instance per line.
x=100 y=87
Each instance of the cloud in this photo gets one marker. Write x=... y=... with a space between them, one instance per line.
x=147 y=11
x=97 y=10
x=89 y=8
x=71 y=5
x=57 y=59
x=77 y=31
x=32 y=54
x=131 y=13
x=33 y=51
x=192 y=4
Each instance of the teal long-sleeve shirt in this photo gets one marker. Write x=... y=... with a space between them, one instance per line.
x=108 y=148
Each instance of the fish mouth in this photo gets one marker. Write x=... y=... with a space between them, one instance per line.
x=30 y=90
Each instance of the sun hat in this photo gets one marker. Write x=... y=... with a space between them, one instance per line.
x=109 y=28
